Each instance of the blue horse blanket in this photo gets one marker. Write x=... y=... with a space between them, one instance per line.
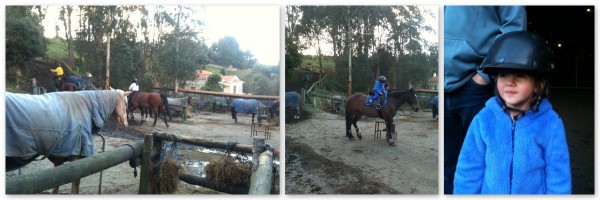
x=292 y=100
x=57 y=124
x=246 y=105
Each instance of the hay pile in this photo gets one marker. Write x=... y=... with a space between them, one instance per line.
x=165 y=176
x=226 y=171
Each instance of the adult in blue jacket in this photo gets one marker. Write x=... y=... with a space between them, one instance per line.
x=517 y=143
x=468 y=33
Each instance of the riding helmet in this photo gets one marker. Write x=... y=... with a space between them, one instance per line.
x=382 y=79
x=135 y=80
x=520 y=51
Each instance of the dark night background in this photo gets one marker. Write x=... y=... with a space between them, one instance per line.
x=573 y=27
x=572 y=84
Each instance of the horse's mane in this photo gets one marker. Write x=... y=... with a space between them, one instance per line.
x=398 y=93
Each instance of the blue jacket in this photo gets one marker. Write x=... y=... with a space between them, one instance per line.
x=469 y=32
x=379 y=89
x=529 y=156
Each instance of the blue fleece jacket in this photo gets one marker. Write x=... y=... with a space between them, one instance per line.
x=469 y=31
x=528 y=156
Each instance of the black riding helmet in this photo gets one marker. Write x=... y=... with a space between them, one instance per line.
x=519 y=52
x=382 y=79
x=135 y=80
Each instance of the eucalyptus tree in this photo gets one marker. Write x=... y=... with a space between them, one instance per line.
x=180 y=51
x=293 y=57
x=368 y=41
x=66 y=13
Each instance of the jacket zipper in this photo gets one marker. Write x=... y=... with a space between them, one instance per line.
x=514 y=124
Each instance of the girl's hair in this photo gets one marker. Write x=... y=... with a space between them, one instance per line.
x=540 y=92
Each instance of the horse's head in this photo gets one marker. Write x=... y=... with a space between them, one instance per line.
x=120 y=112
x=413 y=101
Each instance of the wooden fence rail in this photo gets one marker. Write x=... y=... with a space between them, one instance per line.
x=39 y=181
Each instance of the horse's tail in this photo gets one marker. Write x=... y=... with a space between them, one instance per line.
x=165 y=103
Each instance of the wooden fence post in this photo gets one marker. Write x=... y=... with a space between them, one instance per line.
x=146 y=165
x=262 y=168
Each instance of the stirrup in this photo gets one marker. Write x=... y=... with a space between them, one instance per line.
x=378 y=106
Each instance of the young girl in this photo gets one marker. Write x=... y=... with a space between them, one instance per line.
x=379 y=90
x=516 y=144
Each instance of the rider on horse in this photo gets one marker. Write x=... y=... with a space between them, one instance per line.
x=133 y=87
x=378 y=90
x=58 y=73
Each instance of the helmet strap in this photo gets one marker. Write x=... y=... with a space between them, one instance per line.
x=538 y=99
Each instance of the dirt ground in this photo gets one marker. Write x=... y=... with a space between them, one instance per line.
x=321 y=160
x=120 y=179
x=576 y=108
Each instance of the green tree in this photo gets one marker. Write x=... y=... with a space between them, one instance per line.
x=24 y=40
x=293 y=57
x=227 y=53
x=213 y=83
x=24 y=35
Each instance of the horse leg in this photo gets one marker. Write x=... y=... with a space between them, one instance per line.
x=349 y=125
x=75 y=184
x=233 y=114
x=57 y=162
x=357 y=130
x=165 y=113
x=390 y=129
x=155 y=110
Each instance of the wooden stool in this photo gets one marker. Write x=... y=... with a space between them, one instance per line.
x=378 y=129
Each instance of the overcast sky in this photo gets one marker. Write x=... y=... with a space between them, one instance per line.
x=256 y=28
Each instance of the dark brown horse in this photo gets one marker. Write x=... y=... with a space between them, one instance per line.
x=356 y=108
x=63 y=85
x=155 y=101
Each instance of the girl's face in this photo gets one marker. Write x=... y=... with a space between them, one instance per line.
x=516 y=89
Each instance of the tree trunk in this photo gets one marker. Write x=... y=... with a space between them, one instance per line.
x=349 y=54
x=71 y=58
x=107 y=83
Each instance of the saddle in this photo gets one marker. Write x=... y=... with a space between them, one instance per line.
x=376 y=102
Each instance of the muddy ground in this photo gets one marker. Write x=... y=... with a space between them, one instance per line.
x=321 y=160
x=120 y=179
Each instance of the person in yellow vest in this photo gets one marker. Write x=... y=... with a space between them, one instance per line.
x=58 y=71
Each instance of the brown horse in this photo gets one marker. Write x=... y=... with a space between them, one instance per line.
x=65 y=136
x=155 y=101
x=356 y=108
x=63 y=85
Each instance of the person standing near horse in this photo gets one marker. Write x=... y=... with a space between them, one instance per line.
x=86 y=82
x=524 y=150
x=135 y=88
x=379 y=90
x=466 y=43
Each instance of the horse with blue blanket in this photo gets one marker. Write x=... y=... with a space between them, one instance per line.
x=76 y=83
x=58 y=125
x=219 y=104
x=245 y=106
x=292 y=103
